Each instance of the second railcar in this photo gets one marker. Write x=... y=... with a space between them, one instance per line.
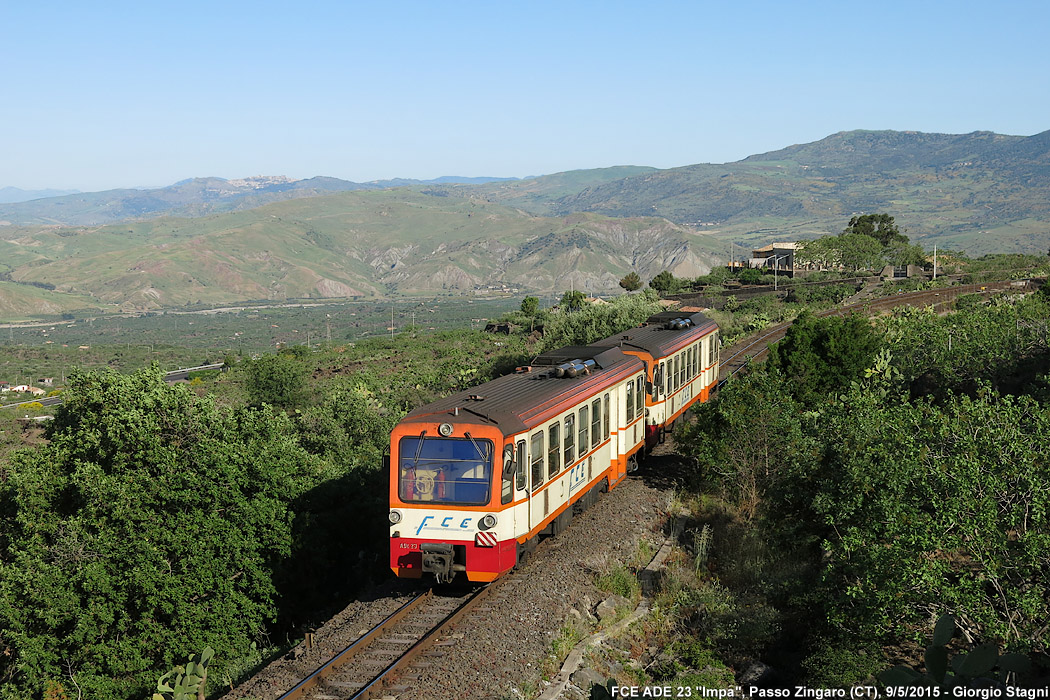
x=680 y=353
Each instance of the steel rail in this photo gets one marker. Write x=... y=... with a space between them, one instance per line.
x=345 y=655
x=424 y=642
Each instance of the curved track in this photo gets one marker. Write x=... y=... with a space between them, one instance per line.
x=755 y=348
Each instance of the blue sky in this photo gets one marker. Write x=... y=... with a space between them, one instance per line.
x=102 y=95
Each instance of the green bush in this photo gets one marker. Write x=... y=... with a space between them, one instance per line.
x=842 y=665
x=278 y=380
x=151 y=524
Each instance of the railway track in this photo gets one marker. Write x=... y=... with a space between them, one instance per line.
x=754 y=349
x=393 y=649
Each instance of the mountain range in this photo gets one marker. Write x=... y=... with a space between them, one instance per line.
x=217 y=241
x=13 y=194
x=192 y=197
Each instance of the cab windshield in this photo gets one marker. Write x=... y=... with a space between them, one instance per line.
x=444 y=470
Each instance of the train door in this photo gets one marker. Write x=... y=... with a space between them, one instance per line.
x=619 y=437
x=538 y=496
x=521 y=488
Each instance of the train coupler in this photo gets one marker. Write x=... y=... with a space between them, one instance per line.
x=437 y=560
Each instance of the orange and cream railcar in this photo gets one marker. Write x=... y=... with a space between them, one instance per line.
x=680 y=352
x=477 y=477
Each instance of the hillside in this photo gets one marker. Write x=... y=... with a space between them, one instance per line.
x=980 y=192
x=194 y=197
x=352 y=244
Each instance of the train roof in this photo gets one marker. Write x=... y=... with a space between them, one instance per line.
x=662 y=333
x=519 y=401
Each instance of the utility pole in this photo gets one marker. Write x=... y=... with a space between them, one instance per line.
x=935 y=262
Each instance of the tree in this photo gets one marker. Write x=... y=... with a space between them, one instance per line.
x=858 y=251
x=751 y=276
x=899 y=253
x=573 y=301
x=664 y=283
x=824 y=252
x=631 y=282
x=924 y=507
x=149 y=526
x=881 y=227
x=822 y=356
x=745 y=439
x=278 y=380
x=530 y=306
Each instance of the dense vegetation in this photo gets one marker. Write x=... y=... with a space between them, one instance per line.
x=229 y=513
x=150 y=524
x=877 y=476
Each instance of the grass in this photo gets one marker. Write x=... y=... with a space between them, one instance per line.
x=571 y=633
x=619 y=580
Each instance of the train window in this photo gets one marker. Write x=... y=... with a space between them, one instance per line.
x=553 y=450
x=537 y=460
x=445 y=470
x=605 y=415
x=630 y=401
x=519 y=466
x=677 y=372
x=703 y=354
x=570 y=438
x=663 y=379
x=596 y=422
x=639 y=396
x=716 y=347
x=692 y=362
x=584 y=427
x=656 y=382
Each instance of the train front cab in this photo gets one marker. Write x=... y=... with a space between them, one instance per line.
x=450 y=491
x=456 y=508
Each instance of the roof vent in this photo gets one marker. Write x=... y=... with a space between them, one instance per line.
x=574 y=368
x=678 y=324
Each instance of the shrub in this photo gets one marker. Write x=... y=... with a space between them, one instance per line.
x=150 y=525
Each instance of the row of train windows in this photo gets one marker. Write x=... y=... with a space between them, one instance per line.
x=684 y=367
x=563 y=438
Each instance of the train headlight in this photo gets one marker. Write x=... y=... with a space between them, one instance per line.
x=395 y=517
x=488 y=522
x=445 y=429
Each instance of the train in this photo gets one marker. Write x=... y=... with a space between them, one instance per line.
x=477 y=478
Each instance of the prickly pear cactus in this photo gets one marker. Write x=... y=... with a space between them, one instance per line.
x=186 y=682
x=981 y=667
